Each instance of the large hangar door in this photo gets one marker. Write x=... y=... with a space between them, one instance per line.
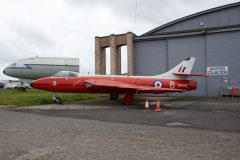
x=182 y=48
x=223 y=49
x=150 y=58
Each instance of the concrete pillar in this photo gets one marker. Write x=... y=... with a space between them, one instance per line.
x=98 y=55
x=119 y=60
x=130 y=54
x=114 y=42
x=113 y=55
x=103 y=61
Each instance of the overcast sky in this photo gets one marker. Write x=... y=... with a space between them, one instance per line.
x=66 y=28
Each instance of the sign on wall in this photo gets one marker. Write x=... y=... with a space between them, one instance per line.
x=217 y=70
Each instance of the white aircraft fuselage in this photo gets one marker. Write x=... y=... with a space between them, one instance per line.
x=39 y=67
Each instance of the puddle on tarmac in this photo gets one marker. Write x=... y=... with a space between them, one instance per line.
x=177 y=124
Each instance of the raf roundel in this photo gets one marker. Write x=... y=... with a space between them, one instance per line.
x=158 y=84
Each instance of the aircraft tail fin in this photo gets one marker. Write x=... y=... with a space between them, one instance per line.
x=181 y=71
x=185 y=67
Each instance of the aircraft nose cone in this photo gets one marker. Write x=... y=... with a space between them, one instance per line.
x=30 y=84
x=4 y=71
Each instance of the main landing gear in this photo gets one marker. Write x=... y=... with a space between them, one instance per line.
x=57 y=99
x=114 y=96
x=128 y=99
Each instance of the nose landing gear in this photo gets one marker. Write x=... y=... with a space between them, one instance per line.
x=57 y=99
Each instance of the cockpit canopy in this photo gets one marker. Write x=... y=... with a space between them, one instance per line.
x=66 y=74
x=12 y=65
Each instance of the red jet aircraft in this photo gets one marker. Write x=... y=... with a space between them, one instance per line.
x=174 y=80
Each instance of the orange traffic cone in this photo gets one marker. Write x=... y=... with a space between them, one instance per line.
x=158 y=109
x=146 y=106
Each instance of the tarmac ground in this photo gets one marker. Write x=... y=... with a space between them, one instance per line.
x=187 y=128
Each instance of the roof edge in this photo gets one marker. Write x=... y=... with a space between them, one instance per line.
x=192 y=16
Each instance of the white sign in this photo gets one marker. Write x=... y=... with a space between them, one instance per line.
x=217 y=70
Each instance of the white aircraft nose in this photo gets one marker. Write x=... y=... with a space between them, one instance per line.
x=6 y=71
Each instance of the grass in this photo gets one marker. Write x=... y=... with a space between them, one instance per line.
x=36 y=97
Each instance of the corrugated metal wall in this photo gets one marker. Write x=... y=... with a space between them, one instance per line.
x=223 y=49
x=218 y=49
x=182 y=48
x=150 y=57
x=156 y=52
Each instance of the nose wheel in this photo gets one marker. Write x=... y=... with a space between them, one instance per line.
x=57 y=99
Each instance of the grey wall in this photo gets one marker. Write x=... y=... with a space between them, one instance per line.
x=223 y=49
x=182 y=48
x=150 y=58
x=225 y=17
x=219 y=49
x=155 y=55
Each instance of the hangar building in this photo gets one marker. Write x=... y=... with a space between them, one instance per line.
x=212 y=36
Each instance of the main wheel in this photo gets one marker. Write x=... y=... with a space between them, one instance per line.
x=114 y=96
x=22 y=89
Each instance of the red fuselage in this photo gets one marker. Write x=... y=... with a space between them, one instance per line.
x=79 y=85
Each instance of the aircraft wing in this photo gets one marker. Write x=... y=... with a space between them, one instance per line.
x=121 y=85
x=111 y=83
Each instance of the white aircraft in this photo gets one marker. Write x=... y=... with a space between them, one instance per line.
x=38 y=67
